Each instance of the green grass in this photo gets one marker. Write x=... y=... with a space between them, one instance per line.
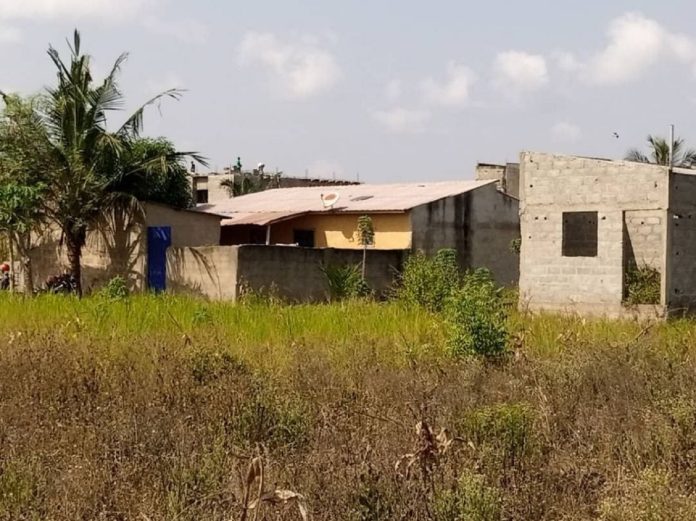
x=151 y=408
x=269 y=335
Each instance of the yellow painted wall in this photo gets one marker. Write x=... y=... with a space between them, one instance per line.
x=392 y=231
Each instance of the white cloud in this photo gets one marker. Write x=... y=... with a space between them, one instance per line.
x=567 y=61
x=636 y=43
x=519 y=71
x=454 y=91
x=400 y=120
x=49 y=9
x=566 y=132
x=15 y=11
x=393 y=90
x=302 y=68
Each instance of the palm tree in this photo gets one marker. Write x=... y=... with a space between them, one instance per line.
x=91 y=169
x=250 y=183
x=659 y=153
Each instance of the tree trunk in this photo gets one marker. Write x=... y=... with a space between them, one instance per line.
x=364 y=262
x=23 y=246
x=11 y=241
x=74 y=244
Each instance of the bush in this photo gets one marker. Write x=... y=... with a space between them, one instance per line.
x=653 y=496
x=371 y=501
x=345 y=282
x=430 y=281
x=476 y=317
x=504 y=428
x=642 y=285
x=469 y=500
x=115 y=289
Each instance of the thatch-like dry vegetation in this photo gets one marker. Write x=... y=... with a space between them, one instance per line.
x=172 y=409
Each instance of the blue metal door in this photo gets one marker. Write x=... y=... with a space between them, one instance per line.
x=159 y=238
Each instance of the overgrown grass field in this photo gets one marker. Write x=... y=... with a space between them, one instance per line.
x=155 y=408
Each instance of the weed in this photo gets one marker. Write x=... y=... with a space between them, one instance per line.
x=507 y=429
x=642 y=285
x=115 y=289
x=468 y=500
x=372 y=502
x=344 y=282
x=476 y=317
x=652 y=496
x=429 y=281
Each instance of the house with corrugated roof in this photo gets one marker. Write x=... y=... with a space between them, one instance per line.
x=474 y=218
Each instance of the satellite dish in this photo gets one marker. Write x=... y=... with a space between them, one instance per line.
x=330 y=199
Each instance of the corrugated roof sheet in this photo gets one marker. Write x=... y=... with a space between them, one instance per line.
x=257 y=218
x=352 y=199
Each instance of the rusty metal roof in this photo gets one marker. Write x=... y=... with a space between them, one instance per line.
x=283 y=203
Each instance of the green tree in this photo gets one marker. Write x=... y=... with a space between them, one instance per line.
x=244 y=184
x=156 y=173
x=24 y=160
x=658 y=153
x=366 y=237
x=90 y=175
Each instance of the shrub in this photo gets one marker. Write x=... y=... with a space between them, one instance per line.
x=429 y=281
x=372 y=503
x=505 y=428
x=653 y=496
x=115 y=289
x=345 y=282
x=17 y=489
x=476 y=317
x=271 y=419
x=469 y=500
x=642 y=285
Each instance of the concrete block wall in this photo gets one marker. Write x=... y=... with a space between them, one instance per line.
x=204 y=271
x=224 y=272
x=681 y=243
x=494 y=225
x=553 y=184
x=480 y=225
x=644 y=238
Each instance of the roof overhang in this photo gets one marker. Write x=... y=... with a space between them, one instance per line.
x=258 y=218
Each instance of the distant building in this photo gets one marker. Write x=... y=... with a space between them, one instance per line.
x=132 y=246
x=590 y=225
x=472 y=217
x=507 y=176
x=210 y=187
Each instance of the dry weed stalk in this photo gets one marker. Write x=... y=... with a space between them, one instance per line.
x=430 y=447
x=255 y=474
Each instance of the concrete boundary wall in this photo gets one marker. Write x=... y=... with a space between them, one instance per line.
x=292 y=273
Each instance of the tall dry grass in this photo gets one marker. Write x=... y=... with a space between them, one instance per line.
x=154 y=408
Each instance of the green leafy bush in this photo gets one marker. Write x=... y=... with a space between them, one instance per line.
x=505 y=429
x=115 y=289
x=469 y=500
x=476 y=317
x=642 y=285
x=430 y=281
x=345 y=282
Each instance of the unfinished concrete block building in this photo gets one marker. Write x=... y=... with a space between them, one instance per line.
x=588 y=224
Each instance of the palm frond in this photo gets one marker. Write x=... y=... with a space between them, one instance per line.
x=134 y=124
x=636 y=155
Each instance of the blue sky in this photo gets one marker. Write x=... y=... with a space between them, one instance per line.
x=389 y=90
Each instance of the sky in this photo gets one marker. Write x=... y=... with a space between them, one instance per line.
x=380 y=90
